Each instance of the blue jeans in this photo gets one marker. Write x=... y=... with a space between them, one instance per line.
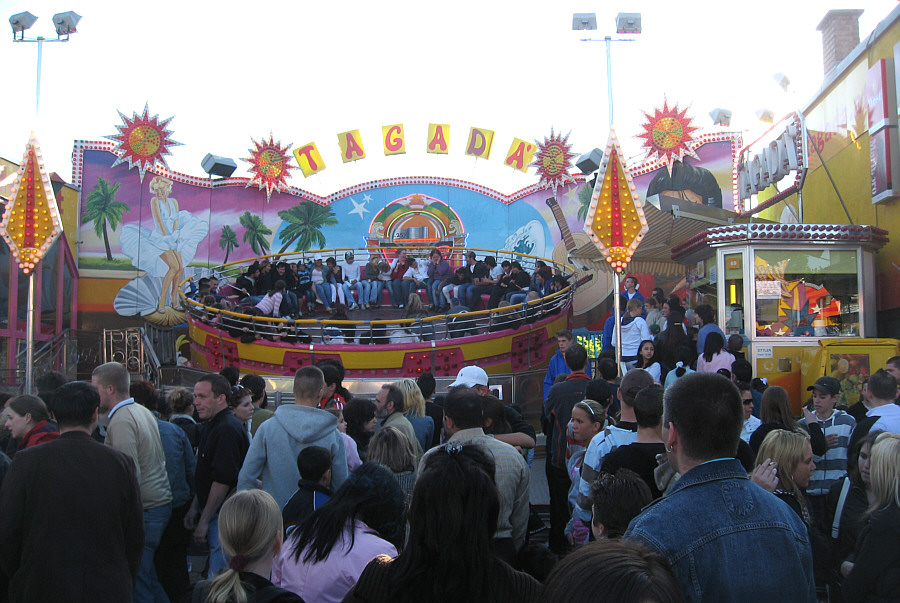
x=474 y=293
x=216 y=556
x=362 y=289
x=323 y=291
x=375 y=292
x=434 y=287
x=395 y=289
x=147 y=586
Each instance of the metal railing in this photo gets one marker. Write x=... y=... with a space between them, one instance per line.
x=240 y=324
x=132 y=348
x=73 y=353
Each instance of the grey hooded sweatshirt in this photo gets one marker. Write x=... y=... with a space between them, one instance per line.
x=272 y=456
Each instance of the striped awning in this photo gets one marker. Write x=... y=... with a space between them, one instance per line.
x=670 y=221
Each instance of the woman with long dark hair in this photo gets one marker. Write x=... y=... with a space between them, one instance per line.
x=326 y=553
x=715 y=356
x=671 y=339
x=775 y=413
x=647 y=359
x=448 y=555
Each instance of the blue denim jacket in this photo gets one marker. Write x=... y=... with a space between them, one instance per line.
x=727 y=539
x=180 y=462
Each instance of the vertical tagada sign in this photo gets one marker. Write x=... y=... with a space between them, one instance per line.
x=615 y=220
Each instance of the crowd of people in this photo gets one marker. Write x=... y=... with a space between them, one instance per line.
x=304 y=289
x=659 y=490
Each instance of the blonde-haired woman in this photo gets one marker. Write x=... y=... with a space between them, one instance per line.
x=414 y=403
x=389 y=447
x=250 y=530
x=789 y=455
x=873 y=574
x=164 y=252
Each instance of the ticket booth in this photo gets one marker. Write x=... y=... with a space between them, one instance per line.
x=802 y=296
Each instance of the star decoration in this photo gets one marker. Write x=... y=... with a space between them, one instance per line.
x=358 y=208
x=269 y=164
x=553 y=160
x=143 y=141
x=668 y=135
x=367 y=197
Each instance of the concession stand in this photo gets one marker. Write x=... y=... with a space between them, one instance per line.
x=802 y=297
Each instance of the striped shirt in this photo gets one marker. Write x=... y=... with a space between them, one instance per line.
x=831 y=466
x=270 y=304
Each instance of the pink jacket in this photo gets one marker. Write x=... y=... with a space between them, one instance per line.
x=331 y=579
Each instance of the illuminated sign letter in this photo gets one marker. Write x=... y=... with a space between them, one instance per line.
x=351 y=146
x=392 y=137
x=520 y=155
x=437 y=138
x=480 y=141
x=309 y=159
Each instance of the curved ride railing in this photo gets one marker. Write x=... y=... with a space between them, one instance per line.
x=313 y=330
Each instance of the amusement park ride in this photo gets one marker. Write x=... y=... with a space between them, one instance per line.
x=679 y=220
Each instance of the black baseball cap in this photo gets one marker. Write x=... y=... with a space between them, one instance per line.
x=826 y=385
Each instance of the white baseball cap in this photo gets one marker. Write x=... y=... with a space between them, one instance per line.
x=470 y=376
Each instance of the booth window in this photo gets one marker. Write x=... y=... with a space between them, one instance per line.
x=807 y=293
x=734 y=294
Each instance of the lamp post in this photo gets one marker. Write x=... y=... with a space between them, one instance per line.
x=30 y=222
x=626 y=23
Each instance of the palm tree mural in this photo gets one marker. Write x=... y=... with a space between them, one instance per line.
x=305 y=222
x=256 y=233
x=101 y=208
x=228 y=241
x=584 y=195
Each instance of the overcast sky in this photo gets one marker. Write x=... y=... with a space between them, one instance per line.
x=304 y=71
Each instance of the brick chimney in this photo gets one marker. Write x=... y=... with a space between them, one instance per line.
x=840 y=35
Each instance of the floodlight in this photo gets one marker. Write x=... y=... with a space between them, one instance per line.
x=766 y=115
x=628 y=23
x=721 y=117
x=20 y=22
x=214 y=165
x=581 y=21
x=65 y=22
x=589 y=162
x=782 y=80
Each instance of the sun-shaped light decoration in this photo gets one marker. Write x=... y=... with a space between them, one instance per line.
x=143 y=141
x=270 y=165
x=668 y=135
x=553 y=160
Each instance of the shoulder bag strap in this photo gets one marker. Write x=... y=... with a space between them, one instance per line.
x=836 y=525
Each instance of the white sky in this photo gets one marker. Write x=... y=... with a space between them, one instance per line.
x=307 y=71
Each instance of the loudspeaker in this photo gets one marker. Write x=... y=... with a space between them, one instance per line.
x=589 y=162
x=218 y=166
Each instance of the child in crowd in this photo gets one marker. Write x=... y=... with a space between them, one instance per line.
x=313 y=489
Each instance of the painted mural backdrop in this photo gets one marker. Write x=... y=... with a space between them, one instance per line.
x=144 y=230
